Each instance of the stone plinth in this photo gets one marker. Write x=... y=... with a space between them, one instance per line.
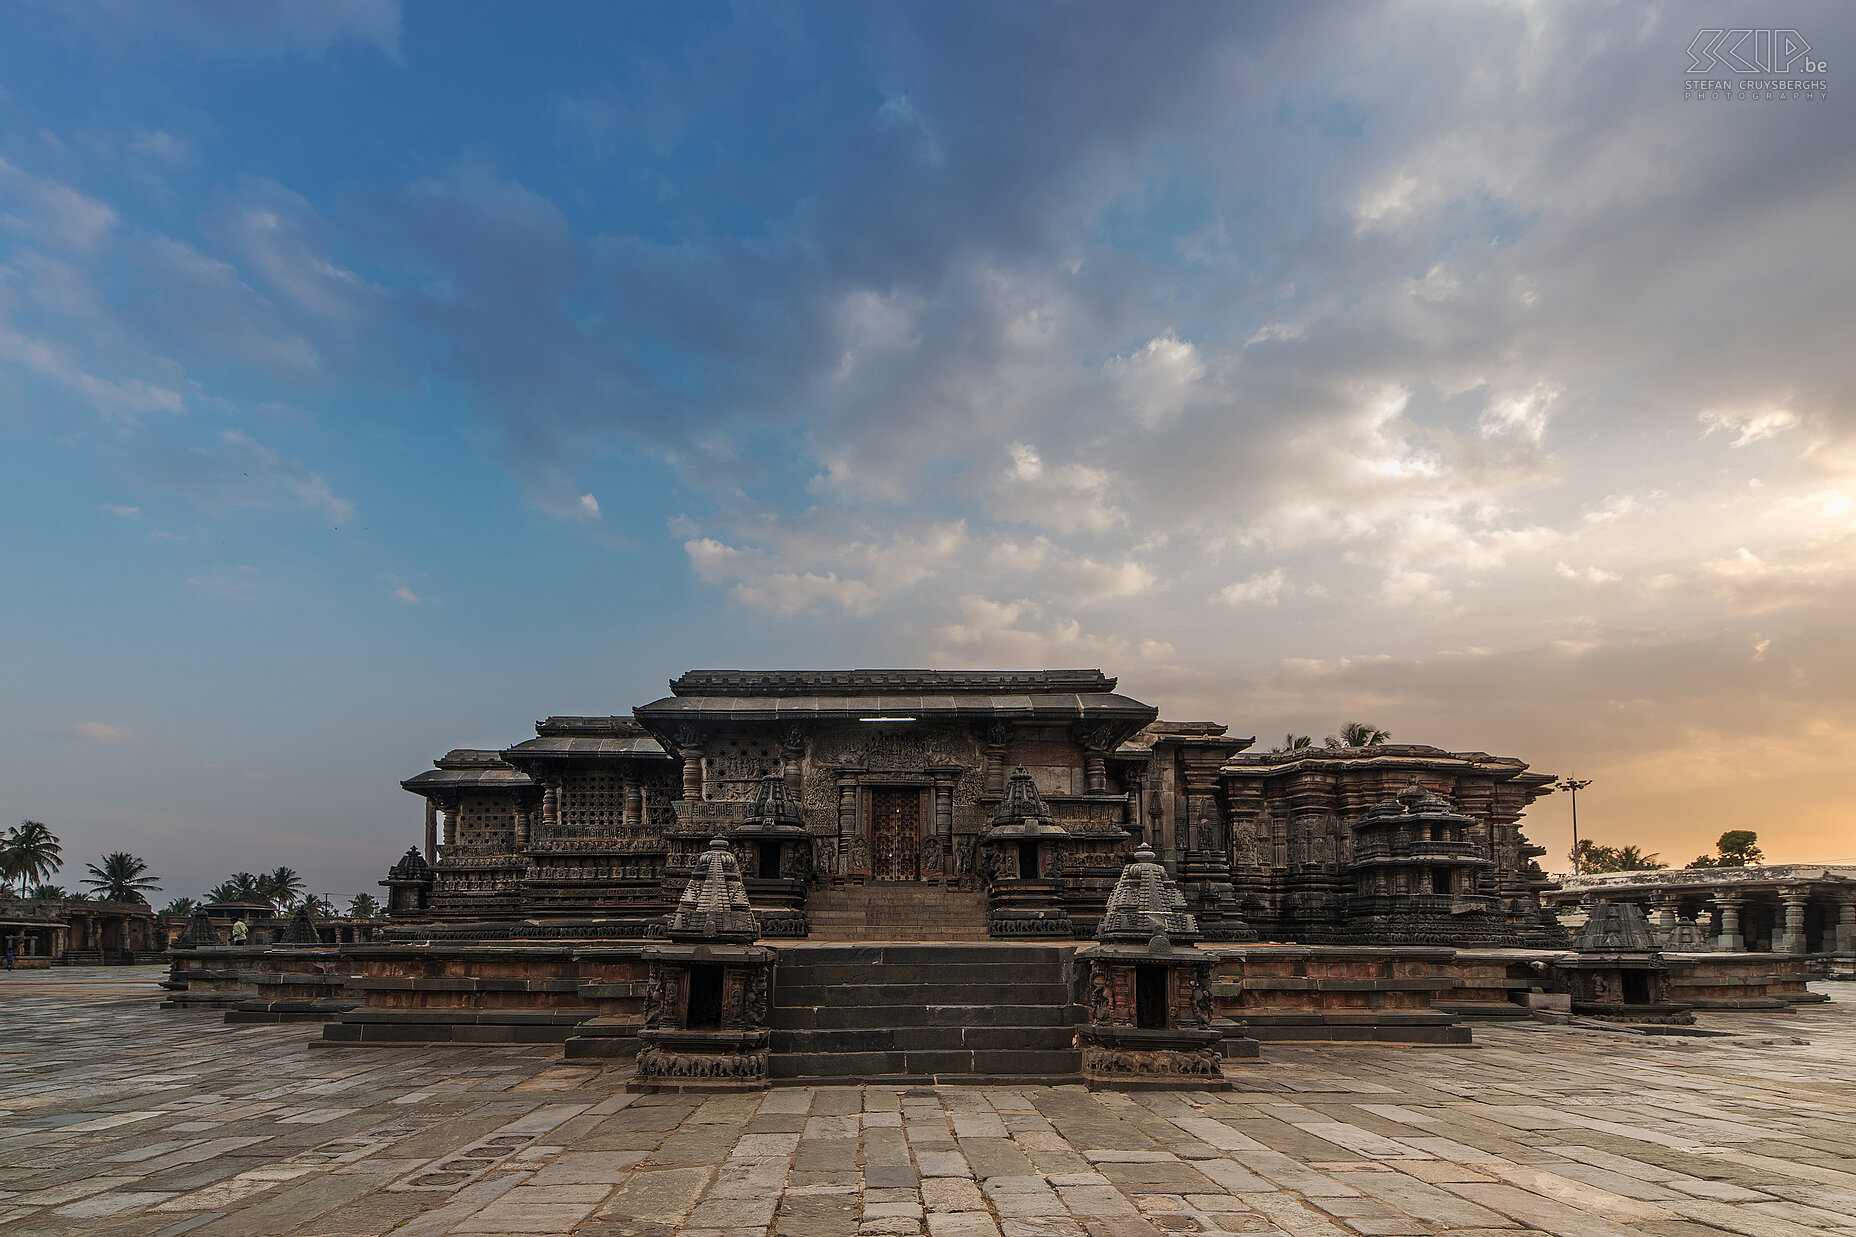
x=1718 y=981
x=1339 y=992
x=1496 y=983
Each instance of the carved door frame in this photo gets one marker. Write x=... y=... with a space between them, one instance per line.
x=871 y=793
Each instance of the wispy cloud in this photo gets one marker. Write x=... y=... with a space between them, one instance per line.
x=102 y=732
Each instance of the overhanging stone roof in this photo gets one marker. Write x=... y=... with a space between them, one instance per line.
x=1411 y=755
x=785 y=697
x=465 y=768
x=616 y=737
x=878 y=682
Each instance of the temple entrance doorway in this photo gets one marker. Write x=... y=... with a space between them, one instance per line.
x=895 y=834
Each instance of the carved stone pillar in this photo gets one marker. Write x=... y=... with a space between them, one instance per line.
x=1665 y=917
x=524 y=825
x=1792 y=940
x=431 y=831
x=692 y=773
x=449 y=826
x=847 y=816
x=998 y=747
x=1846 y=924
x=551 y=807
x=1730 y=940
x=944 y=815
x=634 y=803
x=1136 y=819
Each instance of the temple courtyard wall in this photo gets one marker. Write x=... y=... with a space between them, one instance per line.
x=591 y=997
x=123 y=1120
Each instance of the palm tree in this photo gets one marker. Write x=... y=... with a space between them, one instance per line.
x=43 y=892
x=121 y=878
x=1359 y=734
x=363 y=906
x=318 y=906
x=238 y=887
x=280 y=887
x=180 y=906
x=29 y=853
x=1296 y=742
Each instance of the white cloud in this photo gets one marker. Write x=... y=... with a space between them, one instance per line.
x=405 y=594
x=1157 y=381
x=1265 y=588
x=1589 y=576
x=1413 y=588
x=48 y=213
x=1064 y=498
x=127 y=513
x=1524 y=414
x=102 y=732
x=1749 y=425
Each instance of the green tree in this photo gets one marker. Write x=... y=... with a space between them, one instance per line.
x=1591 y=857
x=318 y=906
x=121 y=878
x=1737 y=848
x=238 y=887
x=29 y=853
x=281 y=887
x=180 y=906
x=363 y=906
x=47 y=893
x=1296 y=743
x=1359 y=734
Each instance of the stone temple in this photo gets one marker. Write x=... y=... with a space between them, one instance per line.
x=911 y=875
x=1024 y=790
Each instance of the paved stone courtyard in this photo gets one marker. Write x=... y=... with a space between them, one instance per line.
x=118 y=1118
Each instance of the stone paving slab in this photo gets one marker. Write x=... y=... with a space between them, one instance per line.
x=118 y=1118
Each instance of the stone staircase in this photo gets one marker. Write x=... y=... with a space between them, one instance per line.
x=923 y=1013
x=896 y=911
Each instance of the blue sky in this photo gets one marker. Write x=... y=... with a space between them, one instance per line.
x=377 y=379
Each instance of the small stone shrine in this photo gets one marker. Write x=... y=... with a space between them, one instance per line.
x=774 y=848
x=1021 y=856
x=1151 y=1017
x=199 y=932
x=409 y=886
x=301 y=931
x=705 y=1014
x=1616 y=971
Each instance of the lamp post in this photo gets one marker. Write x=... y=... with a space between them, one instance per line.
x=1572 y=786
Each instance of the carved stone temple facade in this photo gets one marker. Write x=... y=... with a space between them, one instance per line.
x=1029 y=787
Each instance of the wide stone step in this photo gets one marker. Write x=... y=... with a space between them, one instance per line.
x=788 y=995
x=808 y=973
x=856 y=1017
x=925 y=1065
x=921 y=1039
x=906 y=954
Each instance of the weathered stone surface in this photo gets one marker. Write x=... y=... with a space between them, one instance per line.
x=220 y=1129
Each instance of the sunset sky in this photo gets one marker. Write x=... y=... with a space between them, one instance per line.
x=377 y=379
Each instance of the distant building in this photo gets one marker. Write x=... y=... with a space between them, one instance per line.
x=1795 y=908
x=79 y=931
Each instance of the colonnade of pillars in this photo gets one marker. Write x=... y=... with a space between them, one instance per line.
x=1789 y=935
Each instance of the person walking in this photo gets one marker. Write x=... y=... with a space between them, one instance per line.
x=240 y=931
x=9 y=953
